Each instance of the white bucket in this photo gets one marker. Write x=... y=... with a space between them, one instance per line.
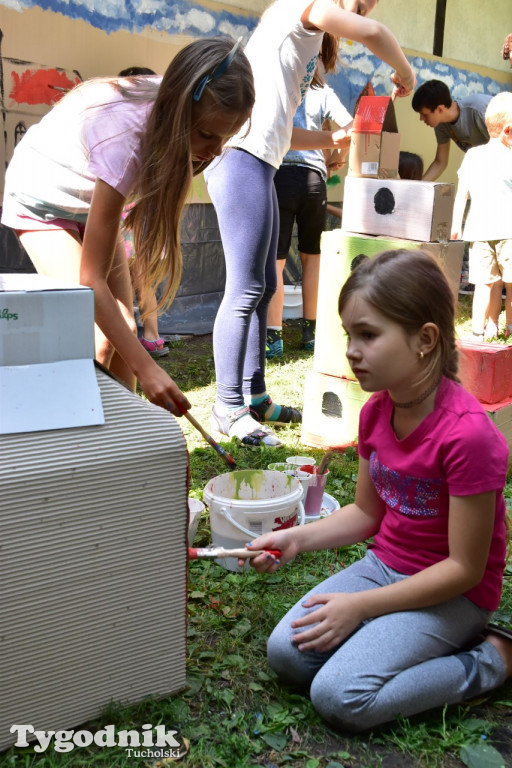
x=249 y=502
x=292 y=306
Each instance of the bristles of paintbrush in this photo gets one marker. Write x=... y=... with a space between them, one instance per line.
x=228 y=460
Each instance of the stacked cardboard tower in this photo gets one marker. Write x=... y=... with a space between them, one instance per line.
x=380 y=212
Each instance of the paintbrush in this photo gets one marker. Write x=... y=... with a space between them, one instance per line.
x=227 y=459
x=242 y=554
x=324 y=463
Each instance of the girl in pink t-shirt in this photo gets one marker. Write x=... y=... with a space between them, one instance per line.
x=107 y=142
x=384 y=637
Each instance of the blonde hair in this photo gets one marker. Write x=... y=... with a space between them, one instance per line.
x=165 y=175
x=498 y=113
x=409 y=288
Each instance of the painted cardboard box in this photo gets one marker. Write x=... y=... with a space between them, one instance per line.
x=485 y=370
x=375 y=141
x=339 y=249
x=414 y=210
x=330 y=417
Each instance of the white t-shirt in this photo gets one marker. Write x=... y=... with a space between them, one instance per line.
x=486 y=171
x=283 y=56
x=93 y=133
x=319 y=104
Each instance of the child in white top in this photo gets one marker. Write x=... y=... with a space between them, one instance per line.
x=485 y=178
x=284 y=52
x=111 y=141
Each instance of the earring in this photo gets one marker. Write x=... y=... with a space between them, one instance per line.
x=421 y=355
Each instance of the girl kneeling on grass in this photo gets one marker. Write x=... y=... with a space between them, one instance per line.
x=405 y=628
x=111 y=140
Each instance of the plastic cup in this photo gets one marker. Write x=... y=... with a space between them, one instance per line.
x=299 y=461
x=316 y=489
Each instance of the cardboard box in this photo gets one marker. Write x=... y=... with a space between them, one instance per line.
x=44 y=320
x=93 y=555
x=414 y=210
x=47 y=372
x=338 y=251
x=375 y=141
x=330 y=417
x=485 y=370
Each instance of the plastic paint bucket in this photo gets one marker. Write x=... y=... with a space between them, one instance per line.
x=247 y=503
x=298 y=461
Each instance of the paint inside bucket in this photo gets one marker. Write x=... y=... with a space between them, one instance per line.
x=247 y=503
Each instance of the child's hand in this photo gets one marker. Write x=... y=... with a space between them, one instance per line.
x=404 y=83
x=267 y=563
x=338 y=616
x=161 y=390
x=341 y=139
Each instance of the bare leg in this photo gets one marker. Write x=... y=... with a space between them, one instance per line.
x=310 y=273
x=484 y=305
x=275 y=308
x=495 y=303
x=120 y=285
x=508 y=308
x=57 y=253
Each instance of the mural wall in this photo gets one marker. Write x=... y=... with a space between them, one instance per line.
x=100 y=37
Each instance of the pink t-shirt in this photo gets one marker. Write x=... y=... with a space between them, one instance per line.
x=93 y=133
x=455 y=451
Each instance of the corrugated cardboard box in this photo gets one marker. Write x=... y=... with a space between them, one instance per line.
x=93 y=566
x=375 y=141
x=414 y=210
x=339 y=249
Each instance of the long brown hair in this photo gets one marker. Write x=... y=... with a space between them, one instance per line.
x=166 y=170
x=409 y=288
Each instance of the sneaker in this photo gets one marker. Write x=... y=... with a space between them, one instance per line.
x=240 y=423
x=287 y=415
x=155 y=347
x=308 y=346
x=274 y=349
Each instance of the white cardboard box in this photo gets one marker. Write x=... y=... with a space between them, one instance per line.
x=43 y=320
x=47 y=378
x=414 y=210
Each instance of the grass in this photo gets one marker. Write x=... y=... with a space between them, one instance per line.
x=234 y=714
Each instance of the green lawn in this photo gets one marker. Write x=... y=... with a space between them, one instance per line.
x=234 y=713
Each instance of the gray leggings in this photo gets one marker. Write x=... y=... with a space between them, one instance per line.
x=397 y=664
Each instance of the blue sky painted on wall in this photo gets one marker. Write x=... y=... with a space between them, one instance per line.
x=189 y=18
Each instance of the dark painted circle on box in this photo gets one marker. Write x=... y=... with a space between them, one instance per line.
x=384 y=201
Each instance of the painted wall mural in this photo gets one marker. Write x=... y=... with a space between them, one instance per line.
x=27 y=92
x=189 y=17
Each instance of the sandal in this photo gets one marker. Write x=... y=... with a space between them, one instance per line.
x=287 y=416
x=155 y=347
x=249 y=434
x=499 y=629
